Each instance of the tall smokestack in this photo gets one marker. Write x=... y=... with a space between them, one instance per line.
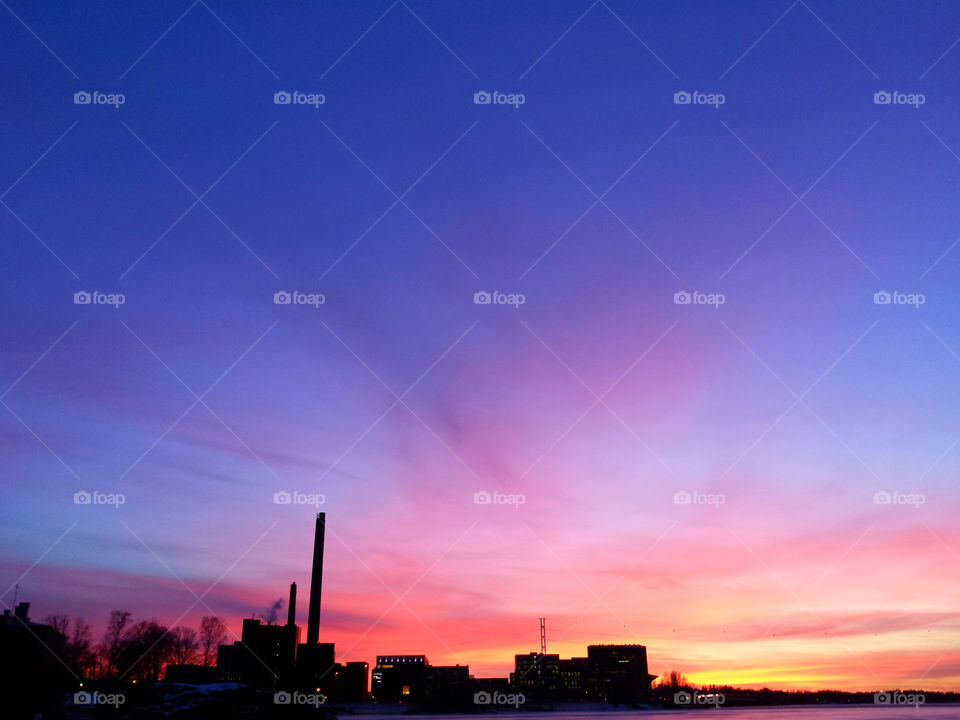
x=316 y=580
x=292 y=605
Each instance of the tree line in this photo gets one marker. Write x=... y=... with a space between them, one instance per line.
x=134 y=651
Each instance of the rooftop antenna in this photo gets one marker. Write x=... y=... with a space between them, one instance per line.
x=16 y=592
x=543 y=636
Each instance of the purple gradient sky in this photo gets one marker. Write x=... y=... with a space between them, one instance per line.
x=798 y=579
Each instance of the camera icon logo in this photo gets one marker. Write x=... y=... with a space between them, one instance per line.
x=682 y=498
x=882 y=498
x=482 y=498
x=281 y=297
x=482 y=698
x=481 y=298
x=481 y=98
x=682 y=698
x=281 y=98
x=282 y=698
x=282 y=498
x=81 y=98
x=681 y=297
x=82 y=497
x=681 y=98
x=882 y=698
x=82 y=698
x=81 y=298
x=881 y=98
x=881 y=297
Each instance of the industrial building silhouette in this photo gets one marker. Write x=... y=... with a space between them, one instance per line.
x=272 y=655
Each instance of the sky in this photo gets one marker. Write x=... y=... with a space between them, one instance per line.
x=760 y=484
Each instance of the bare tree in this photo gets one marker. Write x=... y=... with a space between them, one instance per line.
x=184 y=646
x=213 y=632
x=113 y=638
x=674 y=679
x=59 y=622
x=74 y=646
x=145 y=649
x=80 y=655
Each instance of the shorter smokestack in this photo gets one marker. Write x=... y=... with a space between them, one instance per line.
x=292 y=605
x=21 y=611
